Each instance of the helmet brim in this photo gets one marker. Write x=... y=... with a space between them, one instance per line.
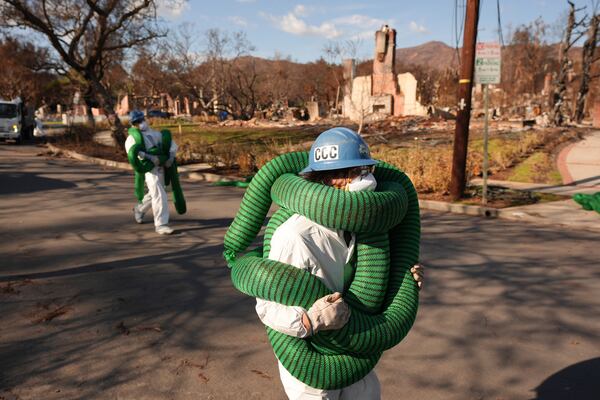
x=326 y=166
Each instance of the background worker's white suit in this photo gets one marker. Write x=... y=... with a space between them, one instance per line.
x=155 y=179
x=324 y=253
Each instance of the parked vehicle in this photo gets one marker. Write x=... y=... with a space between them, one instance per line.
x=157 y=114
x=16 y=122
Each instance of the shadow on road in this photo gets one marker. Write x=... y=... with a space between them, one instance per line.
x=580 y=381
x=499 y=298
x=126 y=319
x=26 y=182
x=201 y=224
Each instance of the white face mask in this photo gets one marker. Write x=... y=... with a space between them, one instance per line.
x=143 y=126
x=366 y=183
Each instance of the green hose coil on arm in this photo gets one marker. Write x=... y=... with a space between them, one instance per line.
x=141 y=167
x=383 y=296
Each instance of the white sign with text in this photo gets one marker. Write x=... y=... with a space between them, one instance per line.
x=488 y=64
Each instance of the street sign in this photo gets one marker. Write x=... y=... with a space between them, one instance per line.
x=487 y=63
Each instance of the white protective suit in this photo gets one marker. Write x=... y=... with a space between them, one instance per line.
x=156 y=197
x=38 y=129
x=322 y=252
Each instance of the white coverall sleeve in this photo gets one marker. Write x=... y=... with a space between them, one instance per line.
x=289 y=249
x=129 y=142
x=173 y=148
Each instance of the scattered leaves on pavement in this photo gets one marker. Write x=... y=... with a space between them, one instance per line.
x=262 y=374
x=123 y=329
x=54 y=313
x=11 y=287
x=185 y=364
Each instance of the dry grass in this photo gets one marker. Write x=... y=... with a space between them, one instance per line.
x=430 y=167
x=538 y=168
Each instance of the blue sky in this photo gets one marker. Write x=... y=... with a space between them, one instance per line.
x=300 y=29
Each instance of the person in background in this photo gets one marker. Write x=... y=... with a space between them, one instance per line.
x=156 y=197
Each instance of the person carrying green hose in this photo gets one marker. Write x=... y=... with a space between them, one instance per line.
x=338 y=158
x=152 y=156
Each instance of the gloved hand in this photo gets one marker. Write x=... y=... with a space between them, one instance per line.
x=418 y=274
x=155 y=160
x=328 y=313
x=170 y=160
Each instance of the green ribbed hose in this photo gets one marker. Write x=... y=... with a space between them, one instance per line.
x=383 y=296
x=589 y=202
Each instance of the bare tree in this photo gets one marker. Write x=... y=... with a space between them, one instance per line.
x=335 y=52
x=278 y=86
x=230 y=75
x=587 y=60
x=240 y=78
x=23 y=71
x=527 y=59
x=149 y=77
x=186 y=65
x=87 y=36
x=571 y=35
x=216 y=52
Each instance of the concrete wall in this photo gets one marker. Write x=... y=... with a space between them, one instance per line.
x=360 y=103
x=408 y=86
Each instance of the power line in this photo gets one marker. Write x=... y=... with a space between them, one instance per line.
x=501 y=37
x=458 y=31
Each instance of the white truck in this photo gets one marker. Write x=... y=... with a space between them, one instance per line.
x=16 y=122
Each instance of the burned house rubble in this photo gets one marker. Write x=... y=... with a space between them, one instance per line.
x=383 y=93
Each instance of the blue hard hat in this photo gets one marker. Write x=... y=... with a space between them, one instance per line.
x=338 y=148
x=136 y=116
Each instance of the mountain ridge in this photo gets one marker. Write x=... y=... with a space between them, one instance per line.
x=434 y=54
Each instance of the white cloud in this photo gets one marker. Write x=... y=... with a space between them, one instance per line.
x=300 y=10
x=291 y=23
x=363 y=21
x=171 y=9
x=417 y=28
x=355 y=26
x=364 y=35
x=237 y=20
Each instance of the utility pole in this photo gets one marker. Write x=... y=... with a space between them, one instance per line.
x=465 y=88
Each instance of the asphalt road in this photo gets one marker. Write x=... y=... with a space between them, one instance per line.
x=94 y=306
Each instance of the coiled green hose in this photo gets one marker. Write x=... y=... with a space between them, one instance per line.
x=383 y=296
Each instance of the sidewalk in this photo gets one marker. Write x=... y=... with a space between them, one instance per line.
x=564 y=213
x=579 y=165
x=564 y=189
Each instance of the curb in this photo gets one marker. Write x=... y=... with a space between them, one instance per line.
x=561 y=164
x=510 y=214
x=478 y=211
x=212 y=178
x=521 y=216
x=93 y=160
x=184 y=170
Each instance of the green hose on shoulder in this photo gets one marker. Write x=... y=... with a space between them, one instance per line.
x=589 y=202
x=383 y=296
x=141 y=167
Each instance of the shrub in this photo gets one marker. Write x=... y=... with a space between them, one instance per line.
x=247 y=163
x=428 y=168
